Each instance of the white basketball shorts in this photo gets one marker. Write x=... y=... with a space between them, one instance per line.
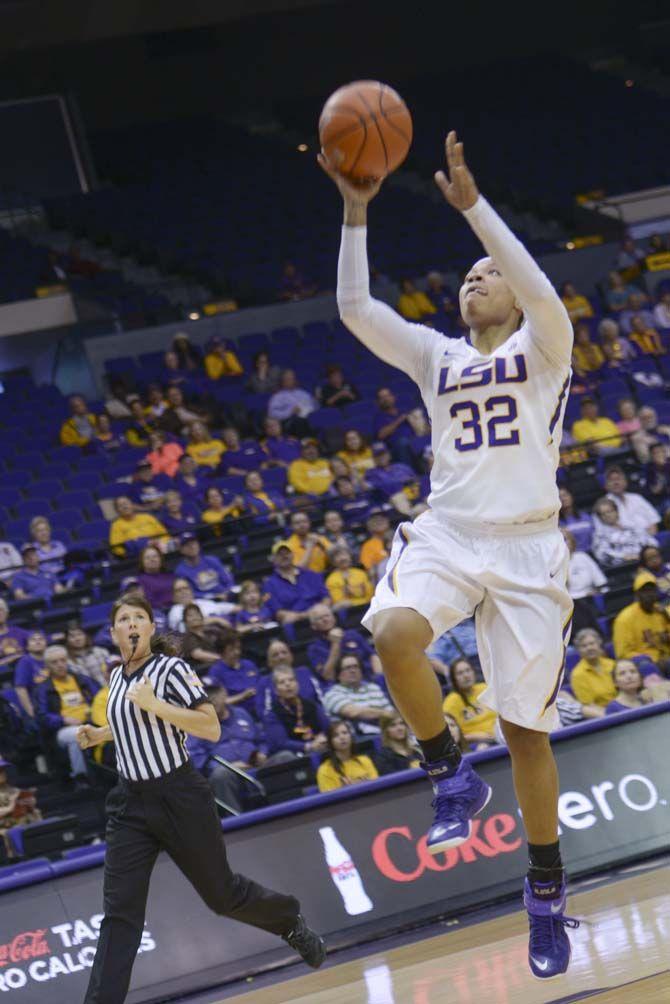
x=513 y=581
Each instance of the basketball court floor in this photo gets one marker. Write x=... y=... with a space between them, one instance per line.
x=621 y=955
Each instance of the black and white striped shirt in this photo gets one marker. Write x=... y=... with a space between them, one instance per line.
x=146 y=746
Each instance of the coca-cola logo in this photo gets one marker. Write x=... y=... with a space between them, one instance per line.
x=30 y=958
x=489 y=838
x=27 y=945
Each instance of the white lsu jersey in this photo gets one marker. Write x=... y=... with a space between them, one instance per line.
x=496 y=429
x=496 y=420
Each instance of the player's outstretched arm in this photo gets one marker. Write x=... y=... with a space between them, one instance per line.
x=537 y=297
x=380 y=328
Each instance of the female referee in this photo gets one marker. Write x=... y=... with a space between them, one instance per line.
x=162 y=803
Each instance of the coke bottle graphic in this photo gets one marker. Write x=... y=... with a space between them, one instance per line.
x=344 y=874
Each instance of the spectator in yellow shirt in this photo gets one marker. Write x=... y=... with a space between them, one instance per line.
x=217 y=510
x=356 y=453
x=586 y=357
x=205 y=450
x=311 y=473
x=647 y=339
x=412 y=303
x=476 y=721
x=309 y=550
x=591 y=679
x=643 y=627
x=348 y=586
x=576 y=305
x=221 y=361
x=133 y=528
x=600 y=433
x=80 y=428
x=378 y=545
x=342 y=767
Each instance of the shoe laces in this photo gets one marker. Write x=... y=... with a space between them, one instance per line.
x=458 y=797
x=544 y=931
x=300 y=937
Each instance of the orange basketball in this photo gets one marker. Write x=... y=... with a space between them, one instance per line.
x=365 y=129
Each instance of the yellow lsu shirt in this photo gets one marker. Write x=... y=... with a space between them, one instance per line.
x=72 y=701
x=472 y=717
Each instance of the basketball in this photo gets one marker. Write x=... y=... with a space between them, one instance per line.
x=365 y=129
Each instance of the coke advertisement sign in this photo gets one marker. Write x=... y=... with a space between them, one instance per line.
x=358 y=863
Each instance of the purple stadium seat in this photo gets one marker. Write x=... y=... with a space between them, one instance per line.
x=95 y=615
x=36 y=507
x=50 y=489
x=67 y=519
x=75 y=500
x=88 y=481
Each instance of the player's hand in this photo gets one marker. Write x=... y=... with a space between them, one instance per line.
x=458 y=188
x=363 y=190
x=142 y=694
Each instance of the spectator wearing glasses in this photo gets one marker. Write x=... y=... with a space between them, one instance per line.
x=359 y=702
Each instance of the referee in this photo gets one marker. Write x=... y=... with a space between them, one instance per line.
x=162 y=803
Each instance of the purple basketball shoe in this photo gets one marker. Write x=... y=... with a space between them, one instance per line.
x=458 y=797
x=549 y=945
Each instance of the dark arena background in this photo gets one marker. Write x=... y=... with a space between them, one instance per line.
x=178 y=396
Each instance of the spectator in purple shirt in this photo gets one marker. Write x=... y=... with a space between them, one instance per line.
x=31 y=583
x=390 y=425
x=240 y=743
x=394 y=482
x=254 y=613
x=189 y=482
x=281 y=450
x=293 y=723
x=353 y=505
x=30 y=671
x=155 y=581
x=265 y=506
x=178 y=517
x=205 y=573
x=241 y=456
x=239 y=676
x=292 y=592
x=13 y=640
x=280 y=656
x=148 y=489
x=330 y=642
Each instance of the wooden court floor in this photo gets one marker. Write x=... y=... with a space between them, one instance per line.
x=621 y=955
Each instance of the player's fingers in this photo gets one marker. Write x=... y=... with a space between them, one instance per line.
x=442 y=182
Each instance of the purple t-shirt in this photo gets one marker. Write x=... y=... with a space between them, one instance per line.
x=249 y=457
x=144 y=493
x=283 y=448
x=157 y=588
x=308 y=589
x=382 y=418
x=51 y=557
x=37 y=585
x=245 y=617
x=190 y=518
x=191 y=493
x=13 y=640
x=353 y=643
x=30 y=672
x=235 y=680
x=207 y=578
x=391 y=479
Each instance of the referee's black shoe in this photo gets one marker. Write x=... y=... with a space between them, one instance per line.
x=306 y=943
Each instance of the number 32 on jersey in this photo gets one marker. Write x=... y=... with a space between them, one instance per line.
x=493 y=427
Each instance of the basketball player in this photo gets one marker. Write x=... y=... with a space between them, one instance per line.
x=489 y=543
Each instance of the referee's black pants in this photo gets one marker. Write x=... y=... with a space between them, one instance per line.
x=177 y=814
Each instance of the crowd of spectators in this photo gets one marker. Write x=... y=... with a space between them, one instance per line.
x=285 y=663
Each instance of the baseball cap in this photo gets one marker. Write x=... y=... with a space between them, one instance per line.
x=185 y=537
x=644 y=579
x=378 y=448
x=28 y=546
x=309 y=441
x=142 y=463
x=277 y=546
